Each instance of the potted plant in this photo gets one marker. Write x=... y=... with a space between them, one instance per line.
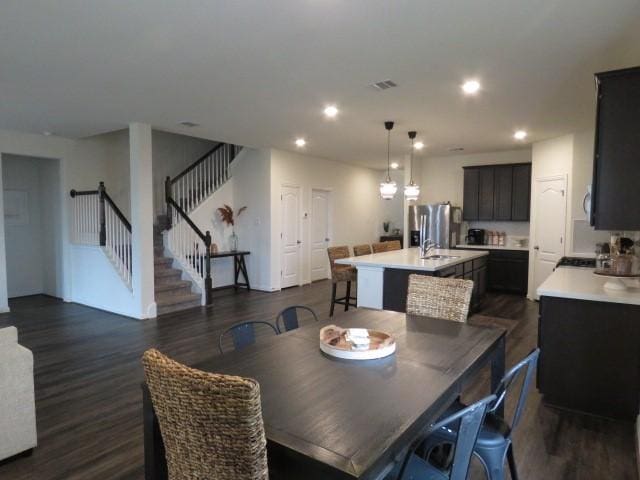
x=227 y=216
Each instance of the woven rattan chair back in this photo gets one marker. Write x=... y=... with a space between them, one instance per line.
x=336 y=253
x=393 y=245
x=359 y=250
x=211 y=424
x=446 y=298
x=379 y=247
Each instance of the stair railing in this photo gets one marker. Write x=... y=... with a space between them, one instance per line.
x=199 y=180
x=97 y=220
x=191 y=247
x=183 y=194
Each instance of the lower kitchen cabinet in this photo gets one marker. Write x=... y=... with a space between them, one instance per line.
x=589 y=356
x=507 y=271
x=396 y=298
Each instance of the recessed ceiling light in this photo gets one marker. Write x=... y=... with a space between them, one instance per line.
x=520 y=135
x=418 y=145
x=300 y=142
x=331 y=111
x=395 y=165
x=471 y=87
x=47 y=133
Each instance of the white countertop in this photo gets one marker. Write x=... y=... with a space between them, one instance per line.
x=583 y=284
x=494 y=247
x=409 y=259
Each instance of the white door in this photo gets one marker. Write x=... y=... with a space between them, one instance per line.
x=550 y=220
x=290 y=235
x=319 y=234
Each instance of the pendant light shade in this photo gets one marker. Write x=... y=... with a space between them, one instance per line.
x=411 y=190
x=388 y=188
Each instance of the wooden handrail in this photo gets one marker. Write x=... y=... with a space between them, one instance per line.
x=117 y=211
x=75 y=193
x=197 y=162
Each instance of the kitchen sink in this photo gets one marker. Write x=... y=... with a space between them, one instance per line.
x=440 y=257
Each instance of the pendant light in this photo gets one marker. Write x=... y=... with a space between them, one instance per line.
x=388 y=188
x=411 y=191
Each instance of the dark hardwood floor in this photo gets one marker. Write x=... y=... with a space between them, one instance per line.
x=88 y=374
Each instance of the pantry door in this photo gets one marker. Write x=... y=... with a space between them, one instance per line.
x=290 y=237
x=319 y=234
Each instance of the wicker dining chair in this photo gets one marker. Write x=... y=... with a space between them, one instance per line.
x=339 y=274
x=211 y=424
x=393 y=245
x=379 y=247
x=359 y=250
x=446 y=298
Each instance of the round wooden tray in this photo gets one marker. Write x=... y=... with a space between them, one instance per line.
x=334 y=341
x=615 y=281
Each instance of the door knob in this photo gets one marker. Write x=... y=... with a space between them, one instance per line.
x=298 y=242
x=326 y=239
x=536 y=247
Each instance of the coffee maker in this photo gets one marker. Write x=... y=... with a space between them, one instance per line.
x=475 y=236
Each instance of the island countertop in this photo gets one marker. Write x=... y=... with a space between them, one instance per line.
x=583 y=284
x=409 y=259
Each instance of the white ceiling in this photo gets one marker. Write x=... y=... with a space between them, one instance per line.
x=259 y=72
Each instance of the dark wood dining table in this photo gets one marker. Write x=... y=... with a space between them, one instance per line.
x=327 y=418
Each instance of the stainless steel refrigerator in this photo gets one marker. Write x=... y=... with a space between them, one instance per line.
x=443 y=223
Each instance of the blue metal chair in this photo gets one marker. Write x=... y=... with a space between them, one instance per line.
x=495 y=439
x=244 y=334
x=289 y=317
x=467 y=423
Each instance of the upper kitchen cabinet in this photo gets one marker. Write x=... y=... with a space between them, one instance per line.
x=497 y=192
x=615 y=203
x=470 y=194
x=502 y=196
x=521 y=195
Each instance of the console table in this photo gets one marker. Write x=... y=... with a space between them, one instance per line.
x=239 y=267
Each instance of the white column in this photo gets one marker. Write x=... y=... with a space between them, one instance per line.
x=141 y=179
x=4 y=300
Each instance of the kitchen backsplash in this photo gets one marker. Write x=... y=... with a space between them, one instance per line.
x=512 y=229
x=585 y=237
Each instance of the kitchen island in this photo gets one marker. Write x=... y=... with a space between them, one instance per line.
x=383 y=278
x=589 y=338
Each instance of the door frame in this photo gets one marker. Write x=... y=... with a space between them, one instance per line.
x=301 y=244
x=309 y=250
x=534 y=222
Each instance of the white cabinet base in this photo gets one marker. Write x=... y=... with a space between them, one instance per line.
x=370 y=287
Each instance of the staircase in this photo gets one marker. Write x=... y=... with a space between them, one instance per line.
x=189 y=246
x=171 y=292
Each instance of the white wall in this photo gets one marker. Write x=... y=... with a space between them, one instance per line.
x=442 y=179
x=206 y=218
x=97 y=284
x=550 y=158
x=392 y=210
x=82 y=165
x=24 y=240
x=356 y=212
x=173 y=153
x=252 y=188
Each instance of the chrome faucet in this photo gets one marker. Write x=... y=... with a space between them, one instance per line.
x=424 y=250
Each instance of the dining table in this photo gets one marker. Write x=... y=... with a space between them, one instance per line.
x=329 y=418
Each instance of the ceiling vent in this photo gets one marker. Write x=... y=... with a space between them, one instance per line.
x=189 y=124
x=456 y=149
x=383 y=85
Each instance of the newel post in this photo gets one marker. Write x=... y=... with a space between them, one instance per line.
x=208 y=283
x=167 y=196
x=101 y=215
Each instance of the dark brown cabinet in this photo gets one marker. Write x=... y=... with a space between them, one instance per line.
x=485 y=194
x=503 y=271
x=471 y=189
x=497 y=192
x=615 y=201
x=502 y=201
x=521 y=193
